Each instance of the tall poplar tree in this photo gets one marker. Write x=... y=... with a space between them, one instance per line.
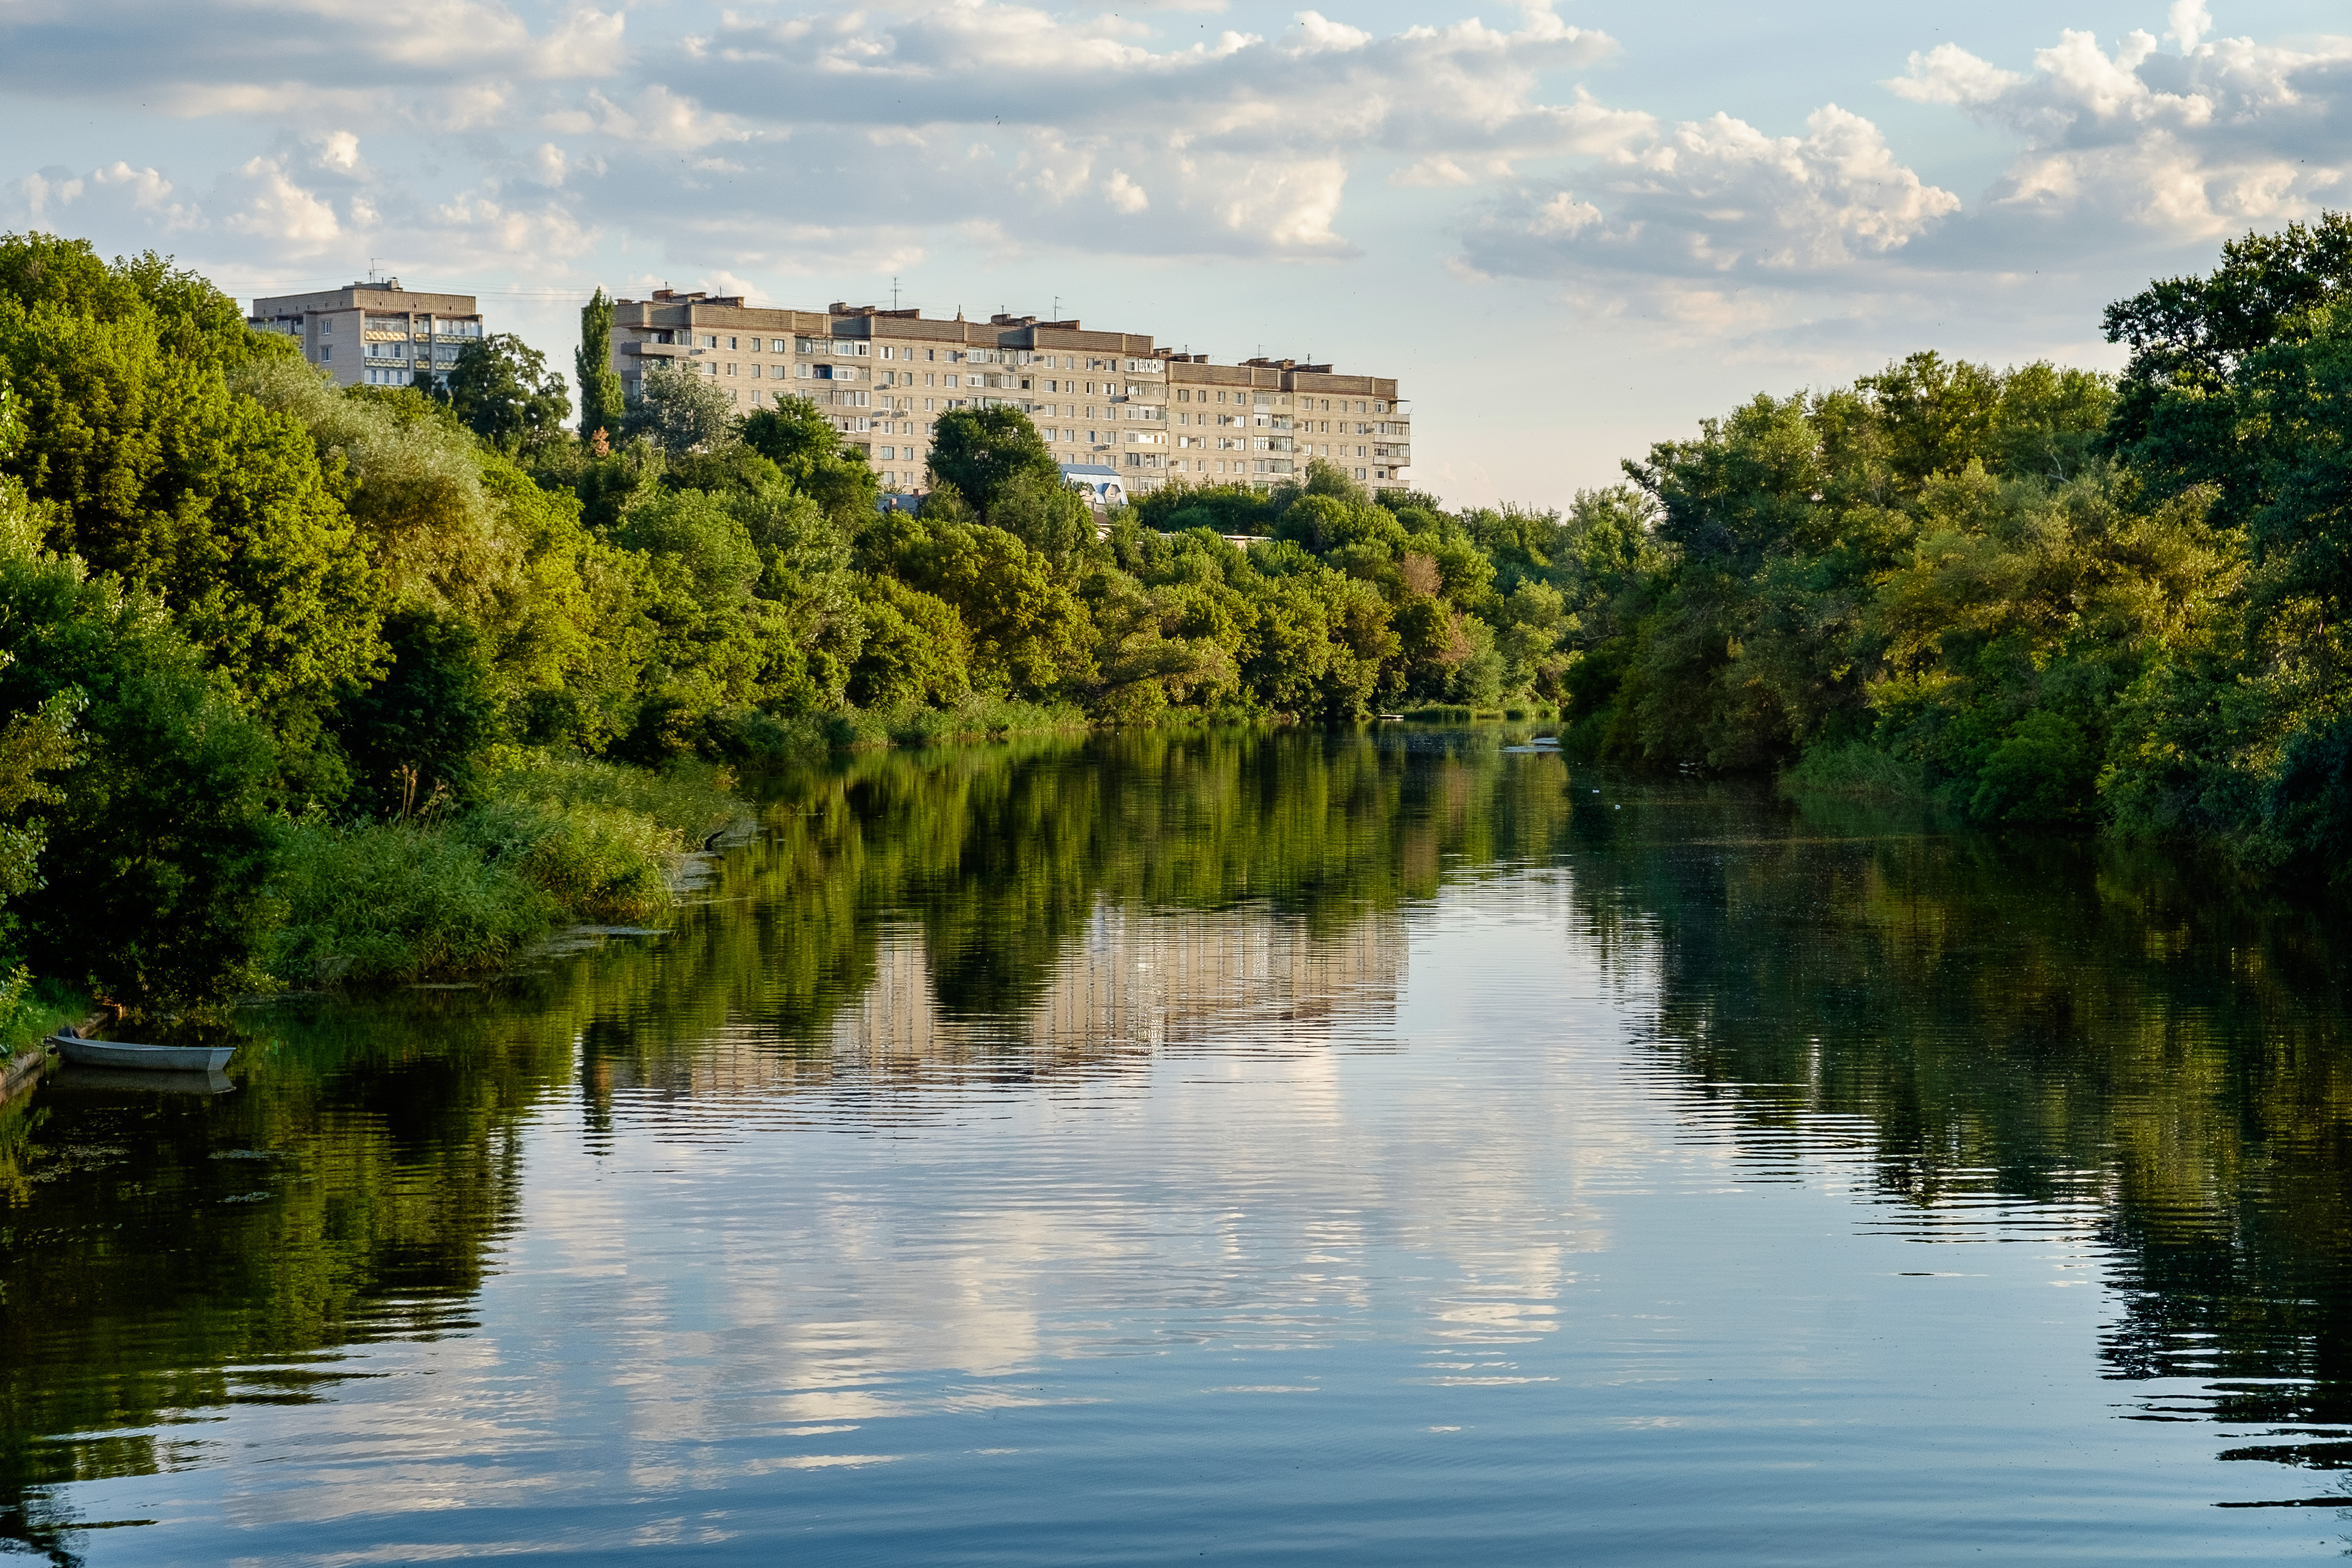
x=600 y=385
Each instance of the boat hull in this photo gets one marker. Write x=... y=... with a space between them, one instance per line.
x=150 y=1059
x=144 y=1080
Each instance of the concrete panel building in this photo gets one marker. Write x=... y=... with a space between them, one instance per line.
x=375 y=334
x=1100 y=398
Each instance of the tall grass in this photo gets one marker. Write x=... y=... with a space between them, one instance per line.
x=397 y=900
x=32 y=1010
x=558 y=840
x=1856 y=771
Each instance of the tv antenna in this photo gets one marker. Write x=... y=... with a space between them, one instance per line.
x=894 y=290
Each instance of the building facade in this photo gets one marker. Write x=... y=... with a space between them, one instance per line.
x=375 y=334
x=1101 y=399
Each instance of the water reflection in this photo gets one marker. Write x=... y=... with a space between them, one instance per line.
x=1089 y=1008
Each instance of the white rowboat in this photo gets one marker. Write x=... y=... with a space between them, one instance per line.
x=162 y=1059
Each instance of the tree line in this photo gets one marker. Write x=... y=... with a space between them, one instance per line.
x=239 y=605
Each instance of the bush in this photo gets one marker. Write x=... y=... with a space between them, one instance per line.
x=691 y=799
x=2040 y=776
x=32 y=1009
x=597 y=863
x=397 y=900
x=558 y=840
x=1856 y=771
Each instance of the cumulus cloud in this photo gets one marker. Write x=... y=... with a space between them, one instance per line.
x=1092 y=131
x=2225 y=134
x=205 y=56
x=1717 y=198
x=770 y=141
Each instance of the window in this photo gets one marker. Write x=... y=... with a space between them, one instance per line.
x=731 y=343
x=952 y=381
x=710 y=367
x=731 y=370
x=926 y=378
x=709 y=342
x=1380 y=407
x=779 y=345
x=328 y=326
x=327 y=351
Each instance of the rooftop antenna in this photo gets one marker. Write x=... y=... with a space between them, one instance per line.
x=1057 y=307
x=894 y=290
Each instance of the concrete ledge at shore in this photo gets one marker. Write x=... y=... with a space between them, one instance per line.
x=24 y=1067
x=26 y=1064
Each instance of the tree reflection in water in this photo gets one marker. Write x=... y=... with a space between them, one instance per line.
x=2015 y=1022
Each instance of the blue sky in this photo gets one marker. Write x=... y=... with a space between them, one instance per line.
x=1569 y=229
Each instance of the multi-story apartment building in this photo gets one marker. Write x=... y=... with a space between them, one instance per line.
x=1100 y=399
x=378 y=334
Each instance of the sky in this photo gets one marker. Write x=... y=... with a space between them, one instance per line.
x=1570 y=228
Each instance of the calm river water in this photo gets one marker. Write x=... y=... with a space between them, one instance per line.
x=1350 y=1150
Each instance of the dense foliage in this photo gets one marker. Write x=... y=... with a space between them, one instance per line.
x=2040 y=596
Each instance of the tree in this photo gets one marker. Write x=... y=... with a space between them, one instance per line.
x=600 y=384
x=1029 y=633
x=503 y=389
x=153 y=468
x=800 y=438
x=156 y=865
x=981 y=451
x=1047 y=515
x=681 y=410
x=434 y=714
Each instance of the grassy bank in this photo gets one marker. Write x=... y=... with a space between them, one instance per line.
x=1857 y=771
x=552 y=843
x=35 y=1009
x=755 y=738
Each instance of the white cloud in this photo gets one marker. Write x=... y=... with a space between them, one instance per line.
x=266 y=201
x=287 y=57
x=114 y=196
x=2188 y=20
x=1717 y=197
x=1949 y=74
x=1242 y=144
x=2226 y=135
x=1124 y=194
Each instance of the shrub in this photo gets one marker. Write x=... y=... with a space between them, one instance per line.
x=596 y=863
x=2040 y=776
x=396 y=901
x=1856 y=771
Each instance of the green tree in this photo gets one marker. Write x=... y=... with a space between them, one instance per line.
x=502 y=390
x=426 y=725
x=801 y=440
x=680 y=410
x=980 y=452
x=600 y=384
x=150 y=467
x=1029 y=633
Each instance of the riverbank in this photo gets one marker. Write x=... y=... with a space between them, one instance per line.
x=554 y=842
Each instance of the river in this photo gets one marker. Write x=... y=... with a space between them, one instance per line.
x=1293 y=1148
